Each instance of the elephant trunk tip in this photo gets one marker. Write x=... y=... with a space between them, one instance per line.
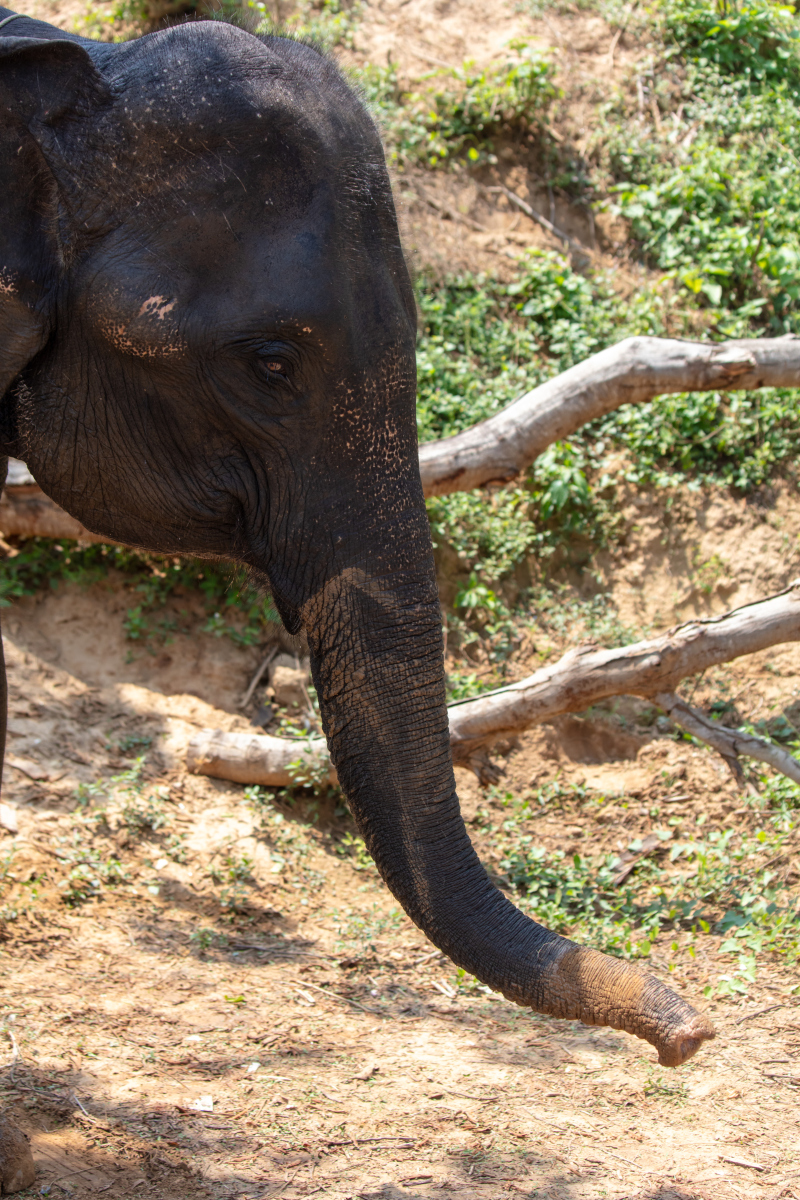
x=683 y=1037
x=600 y=990
x=670 y=1023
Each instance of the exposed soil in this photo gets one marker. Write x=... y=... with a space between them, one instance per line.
x=380 y=1073
x=450 y=221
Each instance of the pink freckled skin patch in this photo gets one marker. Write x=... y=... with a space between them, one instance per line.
x=157 y=306
x=124 y=339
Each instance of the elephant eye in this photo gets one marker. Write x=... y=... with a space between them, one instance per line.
x=273 y=369
x=275 y=363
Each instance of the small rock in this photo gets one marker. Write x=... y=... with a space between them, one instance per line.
x=17 y=1171
x=8 y=818
x=288 y=683
x=368 y=1072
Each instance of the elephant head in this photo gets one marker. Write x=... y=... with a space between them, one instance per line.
x=207 y=346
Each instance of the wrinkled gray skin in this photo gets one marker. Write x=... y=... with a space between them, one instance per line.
x=207 y=347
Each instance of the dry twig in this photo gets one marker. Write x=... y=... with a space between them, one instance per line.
x=336 y=996
x=523 y=206
x=254 y=682
x=742 y=1162
x=760 y=1012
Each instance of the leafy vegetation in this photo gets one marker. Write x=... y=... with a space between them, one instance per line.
x=758 y=41
x=723 y=884
x=234 y=606
x=454 y=114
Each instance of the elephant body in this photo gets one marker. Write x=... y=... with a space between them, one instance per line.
x=207 y=337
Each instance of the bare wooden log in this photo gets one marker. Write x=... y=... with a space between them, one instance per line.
x=26 y=512
x=730 y=743
x=587 y=675
x=651 y=669
x=257 y=758
x=631 y=372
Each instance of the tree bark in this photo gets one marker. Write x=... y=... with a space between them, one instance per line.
x=650 y=669
x=631 y=372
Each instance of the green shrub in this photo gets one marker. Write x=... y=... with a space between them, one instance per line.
x=493 y=531
x=482 y=343
x=724 y=217
x=456 y=113
x=757 y=41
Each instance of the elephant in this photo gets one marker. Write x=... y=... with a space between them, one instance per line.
x=207 y=347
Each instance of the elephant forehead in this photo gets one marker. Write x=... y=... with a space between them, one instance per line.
x=210 y=78
x=204 y=280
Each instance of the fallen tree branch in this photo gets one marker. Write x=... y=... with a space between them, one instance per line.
x=730 y=743
x=650 y=669
x=631 y=372
x=257 y=758
x=26 y=512
x=587 y=675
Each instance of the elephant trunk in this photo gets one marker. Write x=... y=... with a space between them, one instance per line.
x=378 y=667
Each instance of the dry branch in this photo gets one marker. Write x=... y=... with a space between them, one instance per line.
x=650 y=669
x=730 y=743
x=633 y=371
x=587 y=675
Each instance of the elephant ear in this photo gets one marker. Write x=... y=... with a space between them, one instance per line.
x=44 y=84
